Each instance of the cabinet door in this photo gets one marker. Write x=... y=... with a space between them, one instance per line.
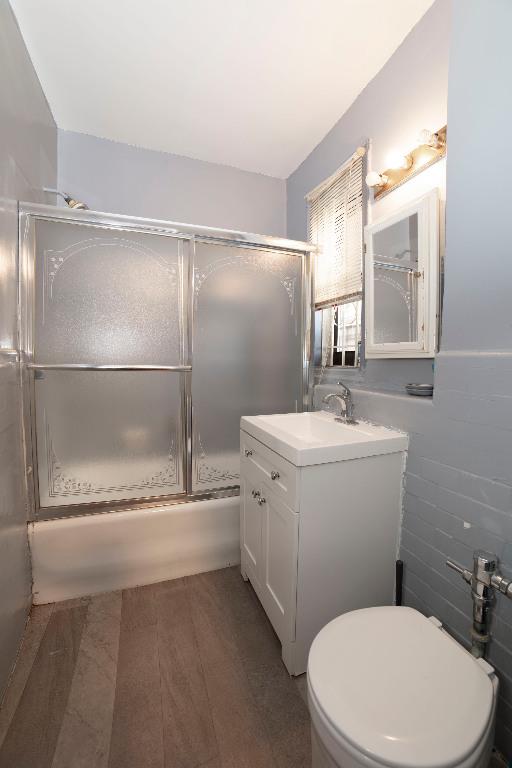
x=401 y=281
x=251 y=524
x=279 y=578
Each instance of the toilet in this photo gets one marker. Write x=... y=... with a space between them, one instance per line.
x=389 y=688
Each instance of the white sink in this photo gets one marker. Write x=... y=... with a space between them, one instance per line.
x=316 y=438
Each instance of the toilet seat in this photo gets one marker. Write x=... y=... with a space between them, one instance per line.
x=343 y=753
x=388 y=687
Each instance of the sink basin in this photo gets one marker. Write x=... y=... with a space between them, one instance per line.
x=316 y=438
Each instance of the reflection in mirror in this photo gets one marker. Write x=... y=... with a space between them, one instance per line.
x=395 y=282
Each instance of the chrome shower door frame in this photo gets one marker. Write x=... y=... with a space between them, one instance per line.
x=189 y=235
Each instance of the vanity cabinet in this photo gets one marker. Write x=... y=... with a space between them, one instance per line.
x=269 y=539
x=317 y=540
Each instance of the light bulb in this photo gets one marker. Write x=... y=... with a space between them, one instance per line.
x=374 y=179
x=398 y=161
x=426 y=137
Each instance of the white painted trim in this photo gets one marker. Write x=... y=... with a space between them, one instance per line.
x=78 y=556
x=427 y=208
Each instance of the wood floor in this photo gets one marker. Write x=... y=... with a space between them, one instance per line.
x=182 y=674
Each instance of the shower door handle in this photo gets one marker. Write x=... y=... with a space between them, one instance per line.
x=91 y=367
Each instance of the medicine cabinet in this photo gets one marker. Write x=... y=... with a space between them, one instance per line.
x=402 y=281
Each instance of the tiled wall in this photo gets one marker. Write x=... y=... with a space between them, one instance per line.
x=458 y=494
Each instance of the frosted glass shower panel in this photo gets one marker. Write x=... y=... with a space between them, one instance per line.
x=106 y=296
x=105 y=436
x=247 y=350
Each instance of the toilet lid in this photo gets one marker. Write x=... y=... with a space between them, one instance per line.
x=399 y=689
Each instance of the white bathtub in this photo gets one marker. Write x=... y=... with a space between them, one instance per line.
x=80 y=556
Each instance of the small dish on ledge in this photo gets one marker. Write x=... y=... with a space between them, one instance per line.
x=420 y=390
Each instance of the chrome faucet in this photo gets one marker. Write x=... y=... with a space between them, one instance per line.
x=346 y=404
x=485 y=581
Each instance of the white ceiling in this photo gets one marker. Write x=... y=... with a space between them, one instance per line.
x=255 y=84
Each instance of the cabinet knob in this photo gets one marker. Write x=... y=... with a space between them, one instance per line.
x=255 y=494
x=248 y=452
x=275 y=475
x=262 y=501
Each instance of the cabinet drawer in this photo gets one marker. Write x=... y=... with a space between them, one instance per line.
x=272 y=468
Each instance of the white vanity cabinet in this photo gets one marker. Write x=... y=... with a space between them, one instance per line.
x=318 y=539
x=269 y=539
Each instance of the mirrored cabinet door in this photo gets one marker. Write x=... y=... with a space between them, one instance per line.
x=401 y=281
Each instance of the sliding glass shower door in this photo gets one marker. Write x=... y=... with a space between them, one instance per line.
x=247 y=350
x=142 y=346
x=108 y=356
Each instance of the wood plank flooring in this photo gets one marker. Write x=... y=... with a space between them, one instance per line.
x=181 y=674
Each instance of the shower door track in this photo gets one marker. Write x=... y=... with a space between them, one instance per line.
x=28 y=212
x=92 y=367
x=125 y=505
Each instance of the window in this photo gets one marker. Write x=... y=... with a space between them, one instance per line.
x=338 y=335
x=335 y=223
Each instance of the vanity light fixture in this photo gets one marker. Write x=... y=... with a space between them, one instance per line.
x=431 y=147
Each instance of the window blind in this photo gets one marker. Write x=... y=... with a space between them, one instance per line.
x=335 y=224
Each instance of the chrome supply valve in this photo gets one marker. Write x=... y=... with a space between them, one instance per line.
x=502 y=585
x=485 y=581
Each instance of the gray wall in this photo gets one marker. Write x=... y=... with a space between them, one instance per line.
x=28 y=160
x=408 y=94
x=459 y=468
x=480 y=107
x=120 y=178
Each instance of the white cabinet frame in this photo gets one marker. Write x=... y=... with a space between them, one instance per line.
x=427 y=210
x=303 y=538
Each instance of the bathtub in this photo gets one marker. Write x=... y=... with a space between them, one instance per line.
x=78 y=556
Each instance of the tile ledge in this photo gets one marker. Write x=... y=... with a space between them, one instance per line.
x=425 y=401
x=475 y=353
